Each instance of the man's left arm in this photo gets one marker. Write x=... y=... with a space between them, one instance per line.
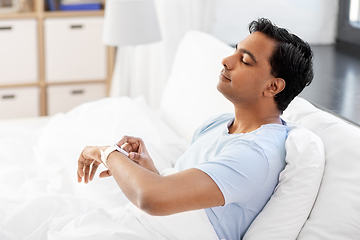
x=155 y=194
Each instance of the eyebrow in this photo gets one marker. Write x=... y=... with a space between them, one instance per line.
x=246 y=52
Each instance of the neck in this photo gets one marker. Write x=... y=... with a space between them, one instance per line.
x=248 y=119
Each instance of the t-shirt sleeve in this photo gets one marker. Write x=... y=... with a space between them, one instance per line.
x=239 y=170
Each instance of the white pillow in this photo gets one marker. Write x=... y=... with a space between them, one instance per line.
x=290 y=205
x=191 y=96
x=336 y=213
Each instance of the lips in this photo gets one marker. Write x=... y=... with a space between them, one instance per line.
x=224 y=76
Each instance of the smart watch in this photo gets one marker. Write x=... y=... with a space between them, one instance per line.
x=105 y=154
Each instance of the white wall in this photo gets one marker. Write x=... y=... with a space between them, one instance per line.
x=312 y=20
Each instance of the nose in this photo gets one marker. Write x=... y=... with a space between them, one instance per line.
x=227 y=62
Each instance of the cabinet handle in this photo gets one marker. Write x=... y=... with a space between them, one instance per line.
x=76 y=26
x=77 y=92
x=12 y=96
x=5 y=28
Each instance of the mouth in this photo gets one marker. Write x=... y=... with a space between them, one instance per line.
x=224 y=77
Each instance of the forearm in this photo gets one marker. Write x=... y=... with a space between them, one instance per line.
x=187 y=190
x=157 y=195
x=136 y=182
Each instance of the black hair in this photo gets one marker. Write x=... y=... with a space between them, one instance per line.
x=292 y=60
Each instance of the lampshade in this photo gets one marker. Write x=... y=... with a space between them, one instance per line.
x=130 y=22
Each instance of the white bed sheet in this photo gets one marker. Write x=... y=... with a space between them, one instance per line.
x=28 y=123
x=40 y=196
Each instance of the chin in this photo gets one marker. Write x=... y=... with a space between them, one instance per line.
x=220 y=86
x=221 y=90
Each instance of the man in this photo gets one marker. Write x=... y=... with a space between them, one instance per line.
x=234 y=161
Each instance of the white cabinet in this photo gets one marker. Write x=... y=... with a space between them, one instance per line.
x=18 y=51
x=43 y=53
x=62 y=98
x=74 y=50
x=19 y=102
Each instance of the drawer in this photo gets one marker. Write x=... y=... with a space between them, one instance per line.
x=19 y=102
x=74 y=50
x=18 y=51
x=62 y=98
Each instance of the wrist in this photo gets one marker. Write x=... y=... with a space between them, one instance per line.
x=104 y=153
x=109 y=159
x=107 y=150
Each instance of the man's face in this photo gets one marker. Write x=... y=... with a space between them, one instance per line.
x=247 y=72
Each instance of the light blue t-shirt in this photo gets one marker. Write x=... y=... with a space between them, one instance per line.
x=245 y=167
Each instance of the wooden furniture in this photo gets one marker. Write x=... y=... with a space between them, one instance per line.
x=39 y=16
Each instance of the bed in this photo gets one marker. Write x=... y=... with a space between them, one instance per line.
x=41 y=199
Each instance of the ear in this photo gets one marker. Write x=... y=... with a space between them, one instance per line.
x=276 y=85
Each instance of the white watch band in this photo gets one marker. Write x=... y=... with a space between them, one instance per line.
x=105 y=154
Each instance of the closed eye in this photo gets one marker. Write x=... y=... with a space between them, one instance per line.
x=242 y=60
x=243 y=51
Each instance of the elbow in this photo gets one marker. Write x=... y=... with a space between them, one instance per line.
x=151 y=204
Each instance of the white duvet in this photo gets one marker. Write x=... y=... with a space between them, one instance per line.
x=39 y=194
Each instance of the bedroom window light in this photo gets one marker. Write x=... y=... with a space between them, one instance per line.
x=348 y=29
x=354 y=14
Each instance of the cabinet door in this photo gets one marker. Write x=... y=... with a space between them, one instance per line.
x=19 y=102
x=74 y=50
x=63 y=98
x=18 y=51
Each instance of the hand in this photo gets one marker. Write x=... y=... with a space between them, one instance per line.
x=88 y=162
x=137 y=152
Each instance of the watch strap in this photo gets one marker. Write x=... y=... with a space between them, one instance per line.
x=105 y=154
x=121 y=150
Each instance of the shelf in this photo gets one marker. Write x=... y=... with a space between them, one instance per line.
x=18 y=15
x=35 y=84
x=56 y=14
x=75 y=82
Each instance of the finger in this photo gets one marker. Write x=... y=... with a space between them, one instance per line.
x=134 y=156
x=80 y=170
x=128 y=147
x=79 y=177
x=130 y=140
x=87 y=171
x=135 y=143
x=94 y=167
x=106 y=173
x=135 y=140
x=123 y=140
x=142 y=148
x=81 y=164
x=135 y=146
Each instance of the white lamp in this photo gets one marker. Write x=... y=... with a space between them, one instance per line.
x=130 y=22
